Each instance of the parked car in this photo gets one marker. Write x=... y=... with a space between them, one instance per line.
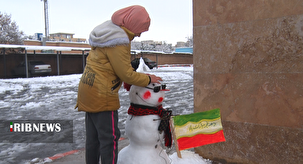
x=151 y=64
x=34 y=68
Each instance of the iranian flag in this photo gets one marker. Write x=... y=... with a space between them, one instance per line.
x=197 y=129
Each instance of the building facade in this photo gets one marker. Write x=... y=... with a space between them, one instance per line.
x=248 y=62
x=65 y=37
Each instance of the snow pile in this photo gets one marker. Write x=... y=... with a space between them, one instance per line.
x=142 y=66
x=188 y=157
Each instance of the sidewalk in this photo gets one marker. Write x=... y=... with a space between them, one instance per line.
x=78 y=156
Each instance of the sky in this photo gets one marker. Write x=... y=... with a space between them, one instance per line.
x=171 y=20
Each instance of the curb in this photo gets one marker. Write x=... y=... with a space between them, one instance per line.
x=61 y=155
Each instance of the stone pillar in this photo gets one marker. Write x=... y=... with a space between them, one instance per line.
x=248 y=61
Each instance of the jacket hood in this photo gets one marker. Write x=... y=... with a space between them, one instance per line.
x=134 y=18
x=108 y=34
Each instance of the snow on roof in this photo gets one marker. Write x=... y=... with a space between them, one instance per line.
x=146 y=51
x=28 y=47
x=63 y=33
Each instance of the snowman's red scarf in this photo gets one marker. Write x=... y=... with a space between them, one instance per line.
x=141 y=110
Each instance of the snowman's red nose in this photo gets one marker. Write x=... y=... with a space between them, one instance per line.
x=160 y=99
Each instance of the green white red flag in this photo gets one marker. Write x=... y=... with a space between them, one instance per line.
x=198 y=129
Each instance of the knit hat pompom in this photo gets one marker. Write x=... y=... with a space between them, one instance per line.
x=134 y=18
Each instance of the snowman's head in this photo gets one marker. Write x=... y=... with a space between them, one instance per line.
x=151 y=95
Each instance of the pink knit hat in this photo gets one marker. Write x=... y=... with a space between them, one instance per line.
x=134 y=18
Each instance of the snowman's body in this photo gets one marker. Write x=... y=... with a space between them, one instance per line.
x=142 y=131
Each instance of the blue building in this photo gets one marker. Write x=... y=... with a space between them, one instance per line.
x=184 y=50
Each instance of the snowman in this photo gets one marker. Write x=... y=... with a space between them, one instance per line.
x=146 y=126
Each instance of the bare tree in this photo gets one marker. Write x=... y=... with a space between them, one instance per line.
x=9 y=32
x=189 y=42
x=152 y=46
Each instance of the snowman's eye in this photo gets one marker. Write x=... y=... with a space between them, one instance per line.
x=147 y=95
x=157 y=88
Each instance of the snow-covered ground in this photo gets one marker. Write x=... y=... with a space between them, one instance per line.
x=54 y=98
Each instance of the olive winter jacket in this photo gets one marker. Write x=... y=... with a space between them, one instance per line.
x=107 y=66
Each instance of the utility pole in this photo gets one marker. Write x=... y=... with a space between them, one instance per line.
x=46 y=19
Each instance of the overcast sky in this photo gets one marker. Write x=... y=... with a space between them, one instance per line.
x=171 y=20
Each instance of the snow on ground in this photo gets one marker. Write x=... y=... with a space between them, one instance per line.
x=54 y=97
x=188 y=157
